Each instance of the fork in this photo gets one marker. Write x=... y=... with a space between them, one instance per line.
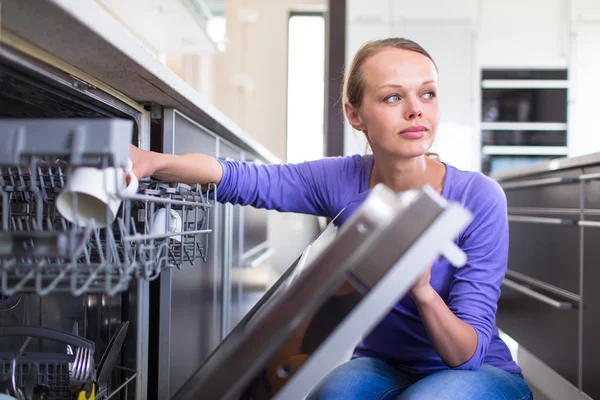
x=81 y=368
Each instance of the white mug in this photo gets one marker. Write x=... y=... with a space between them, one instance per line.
x=161 y=226
x=98 y=194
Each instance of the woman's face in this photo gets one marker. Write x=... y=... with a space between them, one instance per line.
x=400 y=109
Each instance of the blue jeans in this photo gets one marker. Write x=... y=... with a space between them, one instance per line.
x=372 y=379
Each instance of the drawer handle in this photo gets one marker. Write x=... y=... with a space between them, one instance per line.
x=538 y=182
x=553 y=221
x=549 y=181
x=561 y=305
x=541 y=220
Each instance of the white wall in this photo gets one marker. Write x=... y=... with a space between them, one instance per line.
x=465 y=36
x=250 y=78
x=584 y=73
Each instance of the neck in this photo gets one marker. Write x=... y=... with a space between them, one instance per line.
x=400 y=174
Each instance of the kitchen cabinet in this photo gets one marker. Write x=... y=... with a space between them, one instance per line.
x=358 y=34
x=584 y=10
x=550 y=303
x=563 y=194
x=371 y=12
x=546 y=252
x=544 y=237
x=539 y=304
x=551 y=334
x=591 y=295
x=439 y=10
x=517 y=34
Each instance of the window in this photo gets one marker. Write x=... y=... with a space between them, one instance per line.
x=306 y=86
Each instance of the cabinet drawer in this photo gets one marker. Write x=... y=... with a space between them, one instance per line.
x=550 y=333
x=592 y=189
x=549 y=253
x=531 y=193
x=591 y=313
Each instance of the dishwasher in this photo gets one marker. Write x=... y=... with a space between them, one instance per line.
x=74 y=300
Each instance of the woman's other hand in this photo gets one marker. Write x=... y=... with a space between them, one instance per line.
x=422 y=289
x=188 y=168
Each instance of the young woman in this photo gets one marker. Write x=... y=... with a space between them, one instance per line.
x=440 y=341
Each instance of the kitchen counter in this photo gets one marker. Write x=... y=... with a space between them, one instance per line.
x=83 y=36
x=548 y=166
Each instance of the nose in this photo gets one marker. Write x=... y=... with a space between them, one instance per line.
x=413 y=109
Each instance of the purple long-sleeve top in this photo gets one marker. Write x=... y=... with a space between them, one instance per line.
x=329 y=186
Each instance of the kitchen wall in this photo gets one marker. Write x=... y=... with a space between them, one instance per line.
x=248 y=81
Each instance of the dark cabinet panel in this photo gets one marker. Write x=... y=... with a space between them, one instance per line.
x=564 y=195
x=549 y=253
x=231 y=220
x=591 y=314
x=549 y=333
x=591 y=294
x=592 y=190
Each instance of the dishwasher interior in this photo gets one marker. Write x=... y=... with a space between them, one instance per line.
x=74 y=299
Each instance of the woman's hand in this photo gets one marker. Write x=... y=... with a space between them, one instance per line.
x=422 y=290
x=144 y=162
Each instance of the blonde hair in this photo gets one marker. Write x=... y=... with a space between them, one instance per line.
x=353 y=88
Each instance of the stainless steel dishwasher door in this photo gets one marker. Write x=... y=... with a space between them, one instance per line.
x=281 y=349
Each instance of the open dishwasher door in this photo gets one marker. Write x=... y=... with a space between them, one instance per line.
x=343 y=284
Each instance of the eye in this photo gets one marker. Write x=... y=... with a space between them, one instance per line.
x=429 y=95
x=392 y=98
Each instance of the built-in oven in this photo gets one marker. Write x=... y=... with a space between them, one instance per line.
x=523 y=117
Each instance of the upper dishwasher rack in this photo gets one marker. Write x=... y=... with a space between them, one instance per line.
x=42 y=252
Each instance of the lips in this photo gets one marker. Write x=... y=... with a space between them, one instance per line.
x=414 y=132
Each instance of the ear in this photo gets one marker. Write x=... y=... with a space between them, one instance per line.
x=353 y=117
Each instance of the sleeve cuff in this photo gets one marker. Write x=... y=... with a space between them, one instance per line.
x=476 y=360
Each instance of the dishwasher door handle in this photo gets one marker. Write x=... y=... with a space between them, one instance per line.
x=558 y=304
